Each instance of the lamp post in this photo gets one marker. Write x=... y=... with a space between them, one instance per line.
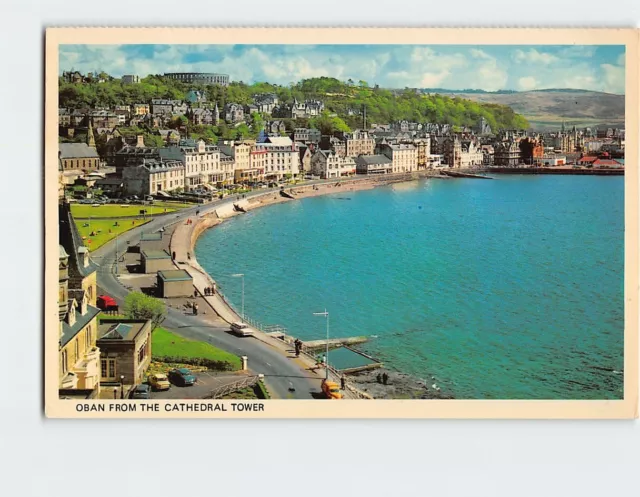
x=241 y=275
x=122 y=386
x=326 y=355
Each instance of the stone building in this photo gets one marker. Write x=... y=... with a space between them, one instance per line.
x=506 y=153
x=233 y=113
x=279 y=161
x=153 y=176
x=423 y=151
x=205 y=78
x=358 y=143
x=130 y=79
x=306 y=135
x=373 y=164
x=201 y=162
x=78 y=156
x=125 y=351
x=327 y=164
x=133 y=155
x=403 y=156
x=305 y=158
x=306 y=109
x=276 y=127
x=174 y=283
x=141 y=109
x=78 y=354
x=266 y=103
x=531 y=150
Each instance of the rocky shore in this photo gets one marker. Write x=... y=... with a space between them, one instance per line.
x=399 y=386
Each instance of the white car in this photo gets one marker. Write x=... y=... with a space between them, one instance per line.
x=242 y=329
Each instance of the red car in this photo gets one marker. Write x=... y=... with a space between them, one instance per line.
x=107 y=304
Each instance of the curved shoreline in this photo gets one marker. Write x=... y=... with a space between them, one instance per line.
x=402 y=385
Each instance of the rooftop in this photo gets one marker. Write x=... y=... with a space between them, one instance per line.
x=77 y=150
x=155 y=254
x=127 y=330
x=175 y=275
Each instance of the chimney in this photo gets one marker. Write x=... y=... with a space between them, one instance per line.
x=140 y=141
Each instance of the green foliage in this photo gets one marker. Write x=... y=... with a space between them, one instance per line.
x=138 y=305
x=328 y=124
x=383 y=105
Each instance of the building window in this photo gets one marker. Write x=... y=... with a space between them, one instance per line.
x=76 y=348
x=65 y=366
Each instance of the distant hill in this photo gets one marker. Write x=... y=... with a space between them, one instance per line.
x=547 y=109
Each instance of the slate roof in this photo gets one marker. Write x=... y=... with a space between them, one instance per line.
x=175 y=275
x=69 y=332
x=77 y=150
x=71 y=240
x=373 y=160
x=113 y=330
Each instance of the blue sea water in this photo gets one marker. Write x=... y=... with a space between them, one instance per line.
x=503 y=289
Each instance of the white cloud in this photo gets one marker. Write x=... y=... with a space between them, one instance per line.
x=432 y=80
x=613 y=78
x=480 y=54
x=455 y=67
x=527 y=83
x=534 y=56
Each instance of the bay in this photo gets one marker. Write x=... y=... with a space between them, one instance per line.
x=504 y=289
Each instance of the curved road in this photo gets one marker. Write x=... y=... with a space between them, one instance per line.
x=281 y=372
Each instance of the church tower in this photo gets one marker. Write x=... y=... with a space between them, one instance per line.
x=91 y=141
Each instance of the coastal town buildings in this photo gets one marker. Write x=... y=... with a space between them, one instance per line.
x=280 y=161
x=78 y=156
x=403 y=156
x=125 y=351
x=328 y=164
x=153 y=176
x=201 y=163
x=233 y=113
x=78 y=354
x=373 y=164
x=306 y=109
x=358 y=143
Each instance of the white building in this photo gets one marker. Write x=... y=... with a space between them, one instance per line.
x=201 y=161
x=404 y=157
x=328 y=164
x=279 y=161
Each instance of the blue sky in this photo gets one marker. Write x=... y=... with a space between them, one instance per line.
x=487 y=67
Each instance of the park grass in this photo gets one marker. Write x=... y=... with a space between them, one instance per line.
x=85 y=211
x=101 y=229
x=167 y=344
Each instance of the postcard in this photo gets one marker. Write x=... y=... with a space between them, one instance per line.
x=341 y=223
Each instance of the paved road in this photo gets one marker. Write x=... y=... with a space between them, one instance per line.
x=281 y=372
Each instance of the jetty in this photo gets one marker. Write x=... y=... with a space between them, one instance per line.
x=333 y=342
x=238 y=208
x=459 y=174
x=285 y=194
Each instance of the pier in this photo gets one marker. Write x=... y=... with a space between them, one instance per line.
x=333 y=342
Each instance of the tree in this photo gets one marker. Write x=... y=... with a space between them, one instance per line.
x=138 y=305
x=328 y=124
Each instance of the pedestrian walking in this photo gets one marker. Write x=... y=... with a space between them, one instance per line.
x=195 y=293
x=343 y=382
x=385 y=378
x=195 y=309
x=379 y=378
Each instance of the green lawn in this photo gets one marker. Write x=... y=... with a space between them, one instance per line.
x=167 y=344
x=124 y=210
x=101 y=227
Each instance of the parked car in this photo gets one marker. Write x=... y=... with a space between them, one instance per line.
x=242 y=329
x=141 y=392
x=107 y=304
x=159 y=381
x=331 y=389
x=182 y=376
